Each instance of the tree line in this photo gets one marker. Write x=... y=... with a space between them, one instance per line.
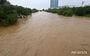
x=9 y=13
x=68 y=11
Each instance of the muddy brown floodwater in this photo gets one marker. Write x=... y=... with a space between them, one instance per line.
x=46 y=34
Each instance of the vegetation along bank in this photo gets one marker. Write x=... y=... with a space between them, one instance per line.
x=9 y=13
x=67 y=11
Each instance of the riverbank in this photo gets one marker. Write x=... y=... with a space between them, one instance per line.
x=9 y=13
x=70 y=11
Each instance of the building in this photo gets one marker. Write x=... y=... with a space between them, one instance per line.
x=54 y=4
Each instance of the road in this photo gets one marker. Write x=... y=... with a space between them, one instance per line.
x=46 y=34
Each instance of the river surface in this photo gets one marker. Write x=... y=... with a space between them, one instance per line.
x=46 y=34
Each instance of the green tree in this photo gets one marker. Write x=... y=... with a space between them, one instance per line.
x=34 y=10
x=3 y=1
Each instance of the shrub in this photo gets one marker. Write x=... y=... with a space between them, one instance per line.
x=60 y=12
x=80 y=11
x=12 y=18
x=1 y=12
x=68 y=12
x=87 y=9
x=4 y=22
x=34 y=10
x=9 y=13
x=9 y=19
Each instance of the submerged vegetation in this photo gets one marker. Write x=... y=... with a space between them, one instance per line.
x=67 y=11
x=9 y=13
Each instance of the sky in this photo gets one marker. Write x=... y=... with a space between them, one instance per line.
x=40 y=4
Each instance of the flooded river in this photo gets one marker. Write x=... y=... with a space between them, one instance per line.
x=46 y=34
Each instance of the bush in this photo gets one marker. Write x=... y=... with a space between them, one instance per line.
x=80 y=11
x=12 y=18
x=9 y=19
x=68 y=12
x=7 y=16
x=60 y=12
x=34 y=10
x=9 y=13
x=22 y=11
x=4 y=22
x=2 y=14
x=87 y=9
